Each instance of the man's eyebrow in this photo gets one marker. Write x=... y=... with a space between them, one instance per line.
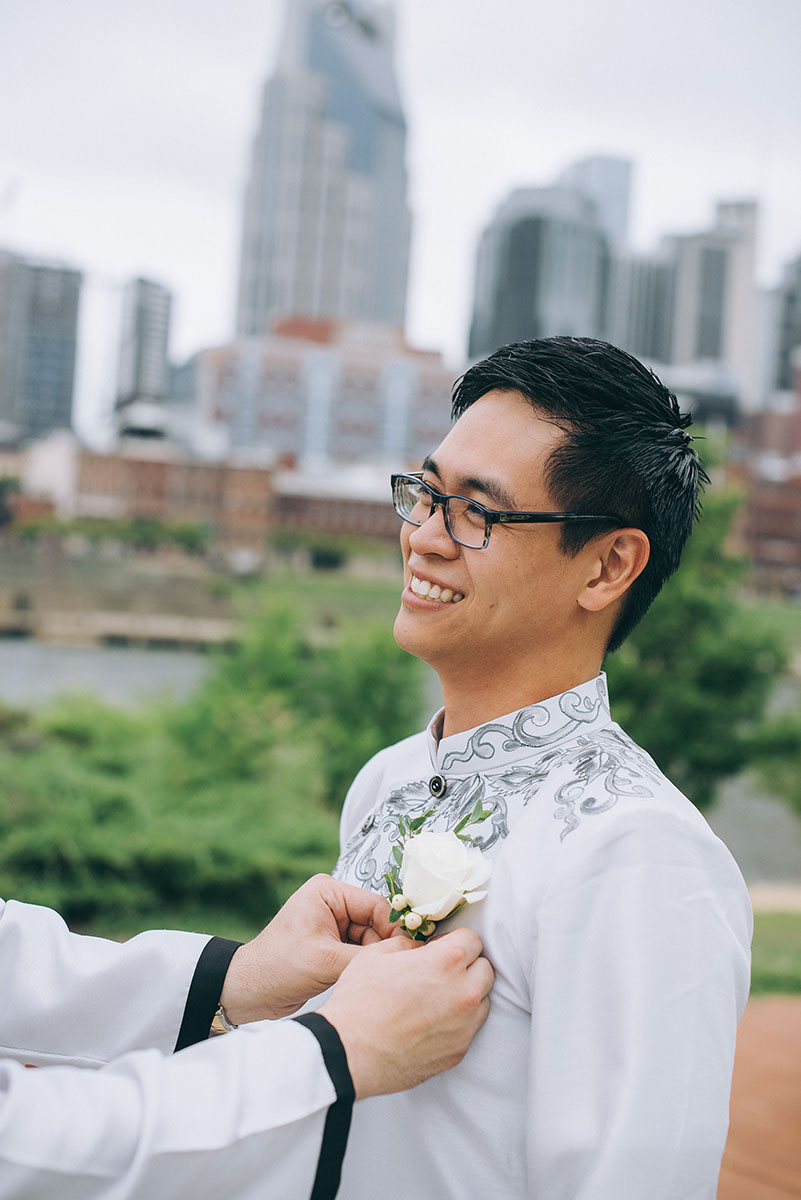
x=493 y=490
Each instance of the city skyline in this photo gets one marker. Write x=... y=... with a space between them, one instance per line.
x=127 y=148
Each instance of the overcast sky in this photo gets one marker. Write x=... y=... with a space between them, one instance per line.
x=125 y=128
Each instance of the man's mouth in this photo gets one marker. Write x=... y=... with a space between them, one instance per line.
x=433 y=591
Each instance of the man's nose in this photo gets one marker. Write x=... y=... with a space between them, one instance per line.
x=432 y=536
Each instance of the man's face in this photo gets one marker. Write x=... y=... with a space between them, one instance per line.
x=519 y=593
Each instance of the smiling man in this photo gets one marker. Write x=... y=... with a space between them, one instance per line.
x=534 y=539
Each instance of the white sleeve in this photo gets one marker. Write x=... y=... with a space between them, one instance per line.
x=85 y=1000
x=640 y=975
x=242 y=1116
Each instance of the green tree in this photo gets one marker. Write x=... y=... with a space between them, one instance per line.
x=353 y=690
x=692 y=682
x=207 y=813
x=776 y=756
x=189 y=536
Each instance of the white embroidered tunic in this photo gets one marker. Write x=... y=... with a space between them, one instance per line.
x=619 y=928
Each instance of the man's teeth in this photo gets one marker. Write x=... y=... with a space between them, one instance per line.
x=423 y=587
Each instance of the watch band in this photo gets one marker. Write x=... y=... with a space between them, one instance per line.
x=221 y=1023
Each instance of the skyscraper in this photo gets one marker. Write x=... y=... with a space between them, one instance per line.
x=38 y=332
x=540 y=271
x=326 y=222
x=714 y=299
x=638 y=306
x=789 y=326
x=607 y=182
x=142 y=372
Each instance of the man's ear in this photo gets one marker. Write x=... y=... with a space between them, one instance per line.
x=619 y=558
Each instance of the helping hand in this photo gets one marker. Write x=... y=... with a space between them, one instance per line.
x=406 y=1011
x=303 y=950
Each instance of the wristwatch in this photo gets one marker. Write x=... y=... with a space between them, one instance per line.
x=221 y=1024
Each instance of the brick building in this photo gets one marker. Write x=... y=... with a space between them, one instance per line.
x=154 y=479
x=355 y=502
x=770 y=469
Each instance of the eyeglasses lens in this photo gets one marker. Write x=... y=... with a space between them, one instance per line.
x=466 y=523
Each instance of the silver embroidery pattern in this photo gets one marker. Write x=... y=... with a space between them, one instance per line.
x=608 y=761
x=604 y=767
x=578 y=711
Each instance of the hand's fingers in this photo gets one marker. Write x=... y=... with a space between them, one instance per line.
x=364 y=937
x=353 y=906
x=393 y=944
x=465 y=940
x=482 y=1012
x=482 y=975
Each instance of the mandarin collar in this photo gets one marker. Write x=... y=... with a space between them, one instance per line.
x=514 y=736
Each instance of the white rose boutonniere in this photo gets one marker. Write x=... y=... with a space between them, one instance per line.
x=435 y=874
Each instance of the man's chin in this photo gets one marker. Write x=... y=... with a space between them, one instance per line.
x=410 y=637
x=416 y=637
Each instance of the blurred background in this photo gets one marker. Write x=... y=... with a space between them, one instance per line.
x=245 y=249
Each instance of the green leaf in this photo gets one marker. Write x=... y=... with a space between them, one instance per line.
x=402 y=826
x=464 y=821
x=394 y=916
x=390 y=882
x=478 y=812
x=397 y=854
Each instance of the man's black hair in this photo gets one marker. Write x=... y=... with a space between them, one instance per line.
x=625 y=448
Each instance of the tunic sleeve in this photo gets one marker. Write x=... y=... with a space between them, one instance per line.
x=640 y=975
x=85 y=1000
x=244 y=1116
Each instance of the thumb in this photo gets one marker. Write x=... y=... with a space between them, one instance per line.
x=392 y=945
x=346 y=952
x=342 y=954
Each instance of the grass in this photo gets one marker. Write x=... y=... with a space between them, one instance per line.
x=776 y=953
x=326 y=597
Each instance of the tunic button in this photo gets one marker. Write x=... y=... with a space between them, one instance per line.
x=437 y=786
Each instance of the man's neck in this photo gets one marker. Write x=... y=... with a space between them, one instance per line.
x=469 y=704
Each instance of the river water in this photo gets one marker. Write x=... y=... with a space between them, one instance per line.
x=34 y=672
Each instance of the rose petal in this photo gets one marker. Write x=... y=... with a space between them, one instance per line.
x=439 y=907
x=479 y=873
x=419 y=881
x=474 y=897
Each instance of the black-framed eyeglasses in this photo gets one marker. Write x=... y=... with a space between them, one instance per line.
x=468 y=523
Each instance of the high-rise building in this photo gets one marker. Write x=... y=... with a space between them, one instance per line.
x=638 y=306
x=607 y=182
x=541 y=270
x=789 y=326
x=38 y=333
x=714 y=298
x=326 y=221
x=142 y=376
